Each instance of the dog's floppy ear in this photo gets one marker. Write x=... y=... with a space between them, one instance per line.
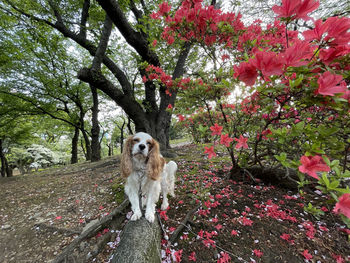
x=155 y=163
x=126 y=163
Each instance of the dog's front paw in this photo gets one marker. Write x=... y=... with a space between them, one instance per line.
x=164 y=206
x=136 y=216
x=149 y=216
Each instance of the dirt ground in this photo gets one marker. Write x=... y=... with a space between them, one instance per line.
x=234 y=220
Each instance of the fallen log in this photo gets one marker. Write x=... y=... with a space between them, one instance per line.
x=139 y=243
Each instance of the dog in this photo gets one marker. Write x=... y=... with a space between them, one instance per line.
x=146 y=173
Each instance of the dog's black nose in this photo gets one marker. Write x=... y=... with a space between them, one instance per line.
x=142 y=147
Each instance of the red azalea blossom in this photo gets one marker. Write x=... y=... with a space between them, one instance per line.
x=329 y=84
x=234 y=233
x=338 y=258
x=210 y=152
x=181 y=117
x=318 y=32
x=225 y=140
x=258 y=253
x=224 y=258
x=296 y=8
x=297 y=55
x=268 y=63
x=178 y=255
x=216 y=129
x=306 y=7
x=163 y=215
x=218 y=227
x=287 y=9
x=164 y=8
x=246 y=72
x=343 y=205
x=312 y=164
x=242 y=142
x=192 y=256
x=307 y=255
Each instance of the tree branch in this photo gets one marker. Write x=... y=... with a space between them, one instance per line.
x=84 y=18
x=83 y=42
x=102 y=46
x=134 y=38
x=128 y=103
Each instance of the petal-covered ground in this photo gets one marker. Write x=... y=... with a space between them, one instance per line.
x=242 y=221
x=233 y=220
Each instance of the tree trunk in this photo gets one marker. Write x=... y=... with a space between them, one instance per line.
x=110 y=148
x=140 y=242
x=75 y=140
x=87 y=145
x=95 y=130
x=2 y=158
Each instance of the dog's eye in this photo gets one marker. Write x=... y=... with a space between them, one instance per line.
x=136 y=140
x=149 y=143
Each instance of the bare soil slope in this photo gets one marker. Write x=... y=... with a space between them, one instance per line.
x=231 y=221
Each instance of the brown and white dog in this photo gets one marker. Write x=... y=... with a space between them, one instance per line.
x=146 y=173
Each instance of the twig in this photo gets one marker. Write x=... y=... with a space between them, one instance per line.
x=90 y=231
x=222 y=249
x=250 y=175
x=181 y=226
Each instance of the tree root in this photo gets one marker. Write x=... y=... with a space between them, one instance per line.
x=67 y=251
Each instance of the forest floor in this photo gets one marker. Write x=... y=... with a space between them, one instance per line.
x=234 y=221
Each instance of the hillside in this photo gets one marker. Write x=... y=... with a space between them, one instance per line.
x=232 y=221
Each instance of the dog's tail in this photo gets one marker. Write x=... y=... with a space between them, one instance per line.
x=171 y=169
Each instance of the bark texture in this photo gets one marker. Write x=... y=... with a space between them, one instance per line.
x=140 y=243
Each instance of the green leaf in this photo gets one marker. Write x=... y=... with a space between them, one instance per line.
x=325 y=180
x=334 y=184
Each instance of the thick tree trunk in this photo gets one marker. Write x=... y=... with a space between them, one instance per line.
x=95 y=130
x=75 y=140
x=140 y=243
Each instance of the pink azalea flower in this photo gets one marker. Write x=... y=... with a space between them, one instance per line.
x=307 y=255
x=192 y=256
x=312 y=164
x=343 y=205
x=242 y=142
x=224 y=258
x=178 y=255
x=330 y=84
x=210 y=152
x=246 y=72
x=258 y=253
x=164 y=8
x=268 y=63
x=216 y=129
x=234 y=233
x=296 y=8
x=225 y=140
